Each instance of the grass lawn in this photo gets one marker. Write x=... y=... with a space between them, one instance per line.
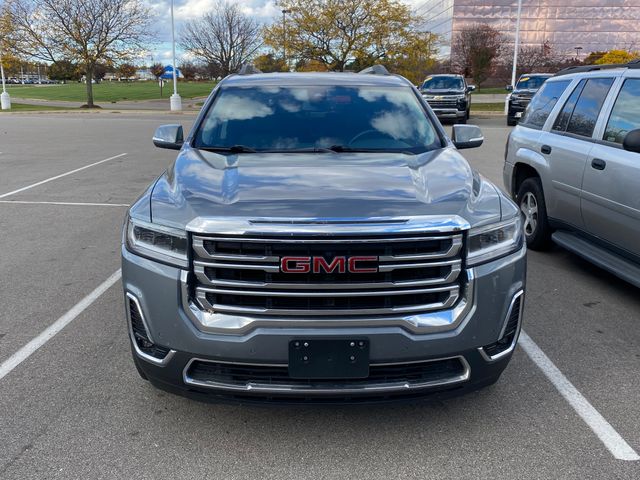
x=23 y=107
x=487 y=107
x=108 y=92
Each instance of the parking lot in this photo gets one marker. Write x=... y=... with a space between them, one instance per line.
x=73 y=405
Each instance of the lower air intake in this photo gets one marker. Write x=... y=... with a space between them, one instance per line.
x=140 y=335
x=509 y=337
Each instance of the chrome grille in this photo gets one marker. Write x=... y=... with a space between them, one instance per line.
x=415 y=273
x=453 y=103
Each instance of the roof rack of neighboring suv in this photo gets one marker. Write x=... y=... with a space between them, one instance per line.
x=634 y=64
x=375 y=70
x=249 y=69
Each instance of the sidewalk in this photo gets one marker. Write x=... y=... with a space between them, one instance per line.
x=160 y=105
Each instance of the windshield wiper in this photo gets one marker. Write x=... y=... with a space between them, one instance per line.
x=232 y=149
x=344 y=148
x=303 y=150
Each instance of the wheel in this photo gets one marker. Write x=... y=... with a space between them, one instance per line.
x=536 y=225
x=511 y=122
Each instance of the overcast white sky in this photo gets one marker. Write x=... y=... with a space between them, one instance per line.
x=264 y=11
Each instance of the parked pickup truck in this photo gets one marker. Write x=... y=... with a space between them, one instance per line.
x=320 y=238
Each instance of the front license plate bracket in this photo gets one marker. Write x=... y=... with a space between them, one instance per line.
x=329 y=359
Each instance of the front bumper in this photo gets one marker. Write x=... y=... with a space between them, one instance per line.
x=158 y=290
x=449 y=112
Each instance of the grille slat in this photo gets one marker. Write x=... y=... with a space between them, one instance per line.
x=412 y=273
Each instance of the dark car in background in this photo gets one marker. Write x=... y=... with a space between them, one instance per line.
x=449 y=96
x=527 y=86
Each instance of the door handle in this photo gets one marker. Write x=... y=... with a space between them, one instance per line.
x=546 y=149
x=598 y=164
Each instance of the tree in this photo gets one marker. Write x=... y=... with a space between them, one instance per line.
x=64 y=70
x=474 y=50
x=539 y=59
x=126 y=71
x=269 y=62
x=84 y=31
x=339 y=33
x=593 y=57
x=189 y=70
x=415 y=58
x=617 y=56
x=157 y=69
x=226 y=37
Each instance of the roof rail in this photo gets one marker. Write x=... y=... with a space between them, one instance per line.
x=634 y=64
x=248 y=69
x=375 y=70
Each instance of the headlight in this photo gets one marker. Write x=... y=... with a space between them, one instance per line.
x=157 y=242
x=494 y=241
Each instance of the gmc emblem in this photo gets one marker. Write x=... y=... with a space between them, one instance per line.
x=320 y=265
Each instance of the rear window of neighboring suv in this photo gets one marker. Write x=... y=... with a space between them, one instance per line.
x=443 y=83
x=625 y=116
x=307 y=118
x=587 y=108
x=543 y=102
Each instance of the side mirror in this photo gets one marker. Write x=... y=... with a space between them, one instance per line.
x=169 y=136
x=631 y=142
x=471 y=88
x=509 y=88
x=467 y=136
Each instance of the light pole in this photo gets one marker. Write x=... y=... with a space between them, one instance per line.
x=175 y=100
x=284 y=36
x=5 y=99
x=577 y=49
x=515 y=56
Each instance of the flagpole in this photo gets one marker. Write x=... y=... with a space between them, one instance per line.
x=175 y=100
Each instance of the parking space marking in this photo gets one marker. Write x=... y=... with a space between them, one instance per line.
x=603 y=429
x=25 y=352
x=4 y=195
x=79 y=204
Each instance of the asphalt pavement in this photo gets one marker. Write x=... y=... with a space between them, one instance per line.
x=75 y=408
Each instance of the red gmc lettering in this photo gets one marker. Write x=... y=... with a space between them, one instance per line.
x=300 y=264
x=338 y=262
x=353 y=267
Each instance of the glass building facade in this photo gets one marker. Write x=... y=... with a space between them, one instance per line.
x=594 y=25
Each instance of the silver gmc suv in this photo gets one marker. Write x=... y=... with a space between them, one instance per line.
x=573 y=165
x=319 y=238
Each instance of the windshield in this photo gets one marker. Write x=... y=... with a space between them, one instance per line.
x=273 y=118
x=443 y=83
x=530 y=83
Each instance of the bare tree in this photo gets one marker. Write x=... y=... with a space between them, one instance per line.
x=474 y=51
x=226 y=37
x=84 y=31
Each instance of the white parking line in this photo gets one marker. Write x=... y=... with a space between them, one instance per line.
x=79 y=204
x=603 y=429
x=25 y=352
x=4 y=195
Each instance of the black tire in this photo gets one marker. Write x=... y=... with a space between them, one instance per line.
x=536 y=227
x=511 y=122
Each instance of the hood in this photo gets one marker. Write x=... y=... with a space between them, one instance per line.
x=431 y=91
x=525 y=92
x=322 y=185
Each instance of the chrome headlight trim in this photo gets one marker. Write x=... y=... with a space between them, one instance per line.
x=134 y=239
x=502 y=239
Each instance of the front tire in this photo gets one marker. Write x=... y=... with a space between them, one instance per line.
x=537 y=231
x=511 y=122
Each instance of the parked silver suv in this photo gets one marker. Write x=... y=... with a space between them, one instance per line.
x=573 y=166
x=320 y=238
